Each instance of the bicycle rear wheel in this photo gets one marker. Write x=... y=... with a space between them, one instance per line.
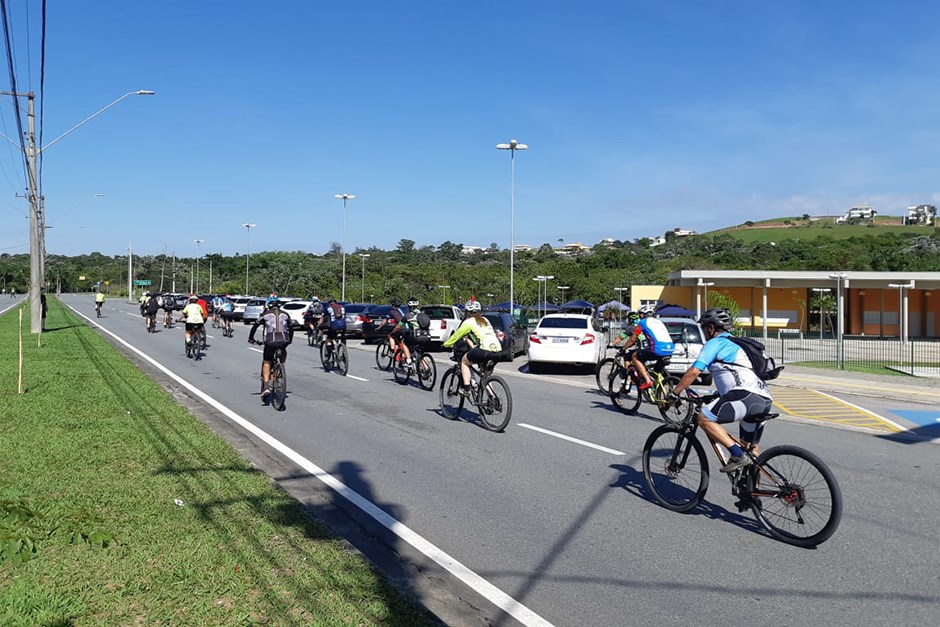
x=427 y=372
x=342 y=359
x=325 y=351
x=400 y=370
x=451 y=400
x=383 y=356
x=675 y=468
x=278 y=386
x=602 y=372
x=311 y=338
x=623 y=393
x=495 y=403
x=795 y=496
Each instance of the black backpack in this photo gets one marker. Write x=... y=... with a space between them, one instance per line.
x=423 y=320
x=762 y=364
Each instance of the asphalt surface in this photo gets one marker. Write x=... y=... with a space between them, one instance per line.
x=529 y=527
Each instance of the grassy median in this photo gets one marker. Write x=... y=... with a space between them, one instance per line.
x=118 y=507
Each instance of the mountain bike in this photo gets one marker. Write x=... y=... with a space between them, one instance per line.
x=383 y=354
x=422 y=366
x=489 y=393
x=333 y=355
x=315 y=337
x=151 y=323
x=791 y=491
x=98 y=308
x=625 y=393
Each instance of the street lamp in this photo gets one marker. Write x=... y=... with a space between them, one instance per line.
x=444 y=289
x=512 y=147
x=702 y=283
x=363 y=256
x=345 y=197
x=903 y=321
x=198 y=241
x=620 y=291
x=28 y=146
x=248 y=255
x=840 y=277
x=563 y=288
x=543 y=279
x=820 y=291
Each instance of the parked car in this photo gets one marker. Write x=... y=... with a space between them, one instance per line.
x=180 y=301
x=295 y=309
x=514 y=336
x=354 y=318
x=252 y=310
x=239 y=305
x=565 y=338
x=372 y=317
x=444 y=321
x=689 y=339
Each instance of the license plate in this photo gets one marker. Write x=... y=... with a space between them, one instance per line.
x=559 y=340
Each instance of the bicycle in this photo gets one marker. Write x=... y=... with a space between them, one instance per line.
x=151 y=323
x=315 y=337
x=489 y=393
x=196 y=343
x=98 y=309
x=626 y=395
x=383 y=354
x=791 y=491
x=167 y=320
x=335 y=356
x=277 y=380
x=227 y=330
x=422 y=365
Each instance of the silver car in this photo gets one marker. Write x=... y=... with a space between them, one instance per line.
x=689 y=339
x=252 y=310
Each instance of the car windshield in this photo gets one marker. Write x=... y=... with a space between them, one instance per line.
x=437 y=313
x=495 y=320
x=256 y=302
x=295 y=306
x=685 y=333
x=563 y=323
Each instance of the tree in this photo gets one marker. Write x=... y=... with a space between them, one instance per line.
x=405 y=246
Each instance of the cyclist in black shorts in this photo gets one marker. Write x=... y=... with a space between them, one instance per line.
x=278 y=333
x=400 y=330
x=333 y=321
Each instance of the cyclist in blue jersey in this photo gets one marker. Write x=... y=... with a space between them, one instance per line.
x=742 y=395
x=658 y=342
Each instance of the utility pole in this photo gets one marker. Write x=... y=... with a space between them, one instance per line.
x=130 y=274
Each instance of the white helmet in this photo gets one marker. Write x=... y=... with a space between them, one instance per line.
x=647 y=310
x=473 y=305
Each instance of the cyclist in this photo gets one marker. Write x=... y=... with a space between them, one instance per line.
x=205 y=307
x=278 y=333
x=194 y=316
x=400 y=329
x=216 y=309
x=478 y=334
x=150 y=308
x=226 y=310
x=312 y=315
x=742 y=395
x=142 y=302
x=334 y=320
x=99 y=301
x=658 y=342
x=166 y=304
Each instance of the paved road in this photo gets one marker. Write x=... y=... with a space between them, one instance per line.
x=562 y=531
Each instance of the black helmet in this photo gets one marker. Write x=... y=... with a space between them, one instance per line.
x=395 y=302
x=718 y=318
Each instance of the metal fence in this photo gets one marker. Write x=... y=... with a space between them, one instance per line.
x=920 y=357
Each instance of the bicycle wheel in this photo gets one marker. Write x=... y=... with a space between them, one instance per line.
x=189 y=348
x=325 y=351
x=202 y=340
x=623 y=392
x=675 y=468
x=278 y=386
x=310 y=339
x=602 y=373
x=795 y=496
x=675 y=412
x=383 y=356
x=427 y=372
x=342 y=359
x=451 y=400
x=400 y=370
x=495 y=404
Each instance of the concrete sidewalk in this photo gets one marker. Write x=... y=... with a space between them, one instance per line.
x=910 y=389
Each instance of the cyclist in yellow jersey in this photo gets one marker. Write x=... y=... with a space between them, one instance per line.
x=476 y=332
x=193 y=316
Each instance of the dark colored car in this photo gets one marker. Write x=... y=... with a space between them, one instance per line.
x=372 y=317
x=514 y=336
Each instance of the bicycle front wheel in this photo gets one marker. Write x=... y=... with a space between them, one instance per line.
x=342 y=359
x=383 y=356
x=605 y=368
x=495 y=403
x=278 y=386
x=427 y=372
x=311 y=338
x=674 y=412
x=400 y=370
x=675 y=468
x=623 y=393
x=325 y=351
x=451 y=400
x=795 y=496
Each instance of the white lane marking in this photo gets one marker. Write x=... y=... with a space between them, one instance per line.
x=865 y=411
x=352 y=376
x=571 y=439
x=257 y=350
x=483 y=587
x=9 y=308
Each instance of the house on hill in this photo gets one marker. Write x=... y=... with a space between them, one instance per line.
x=921 y=214
x=858 y=213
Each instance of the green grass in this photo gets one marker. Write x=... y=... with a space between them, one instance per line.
x=813 y=230
x=94 y=454
x=851 y=367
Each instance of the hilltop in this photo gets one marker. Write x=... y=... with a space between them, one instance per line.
x=811 y=227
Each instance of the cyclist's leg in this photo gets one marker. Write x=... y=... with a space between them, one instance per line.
x=751 y=430
x=638 y=358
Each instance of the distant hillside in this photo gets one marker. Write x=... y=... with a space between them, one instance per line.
x=779 y=229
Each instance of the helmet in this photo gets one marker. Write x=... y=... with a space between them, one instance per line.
x=272 y=301
x=413 y=302
x=146 y=293
x=718 y=318
x=193 y=298
x=395 y=302
x=646 y=310
x=314 y=299
x=633 y=316
x=473 y=305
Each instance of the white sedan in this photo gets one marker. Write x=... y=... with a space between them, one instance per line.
x=566 y=339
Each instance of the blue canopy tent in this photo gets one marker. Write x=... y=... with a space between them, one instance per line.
x=542 y=308
x=500 y=306
x=614 y=303
x=674 y=311
x=578 y=306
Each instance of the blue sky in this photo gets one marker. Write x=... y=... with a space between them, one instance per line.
x=640 y=116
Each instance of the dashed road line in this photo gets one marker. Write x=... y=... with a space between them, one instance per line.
x=562 y=436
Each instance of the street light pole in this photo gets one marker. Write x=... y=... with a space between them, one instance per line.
x=363 y=256
x=512 y=147
x=248 y=255
x=199 y=254
x=903 y=322
x=444 y=289
x=820 y=291
x=702 y=283
x=620 y=291
x=543 y=279
x=563 y=288
x=345 y=198
x=840 y=277
x=36 y=219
